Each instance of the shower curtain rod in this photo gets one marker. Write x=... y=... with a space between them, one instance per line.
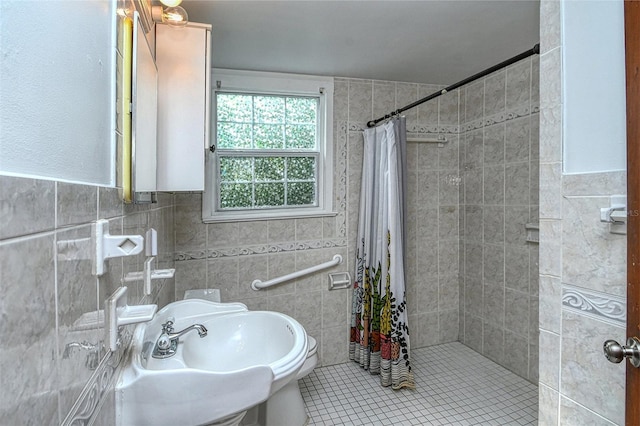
x=535 y=50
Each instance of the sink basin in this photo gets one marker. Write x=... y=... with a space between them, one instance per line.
x=246 y=339
x=245 y=358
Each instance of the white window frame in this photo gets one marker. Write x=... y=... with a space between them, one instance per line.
x=255 y=82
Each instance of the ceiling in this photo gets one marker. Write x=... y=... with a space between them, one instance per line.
x=439 y=42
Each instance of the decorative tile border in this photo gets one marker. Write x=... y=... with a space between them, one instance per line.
x=416 y=128
x=356 y=126
x=261 y=249
x=434 y=128
x=522 y=111
x=340 y=177
x=600 y=306
x=101 y=381
x=512 y=114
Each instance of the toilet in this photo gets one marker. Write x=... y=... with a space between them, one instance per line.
x=286 y=406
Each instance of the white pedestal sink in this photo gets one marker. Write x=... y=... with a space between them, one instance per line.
x=245 y=357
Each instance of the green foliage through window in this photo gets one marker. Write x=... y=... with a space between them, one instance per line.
x=267 y=149
x=247 y=121
x=259 y=182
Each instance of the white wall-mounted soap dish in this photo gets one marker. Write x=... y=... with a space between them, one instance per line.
x=119 y=313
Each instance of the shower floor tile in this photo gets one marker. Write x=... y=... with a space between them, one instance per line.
x=454 y=386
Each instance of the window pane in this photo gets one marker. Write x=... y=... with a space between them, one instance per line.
x=269 y=136
x=231 y=135
x=301 y=193
x=235 y=195
x=269 y=194
x=234 y=107
x=264 y=123
x=269 y=109
x=301 y=136
x=269 y=168
x=235 y=169
x=301 y=168
x=301 y=110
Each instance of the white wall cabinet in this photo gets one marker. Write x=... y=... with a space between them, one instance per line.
x=184 y=62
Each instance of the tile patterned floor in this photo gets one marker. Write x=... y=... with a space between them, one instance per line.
x=455 y=386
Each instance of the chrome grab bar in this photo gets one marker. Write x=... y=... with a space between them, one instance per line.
x=258 y=284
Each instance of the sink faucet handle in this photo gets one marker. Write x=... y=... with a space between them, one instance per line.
x=164 y=343
x=167 y=327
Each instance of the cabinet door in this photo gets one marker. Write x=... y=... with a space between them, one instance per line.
x=182 y=58
x=143 y=115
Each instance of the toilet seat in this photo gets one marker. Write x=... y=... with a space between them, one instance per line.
x=312 y=359
x=313 y=346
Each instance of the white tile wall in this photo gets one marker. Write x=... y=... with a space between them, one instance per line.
x=582 y=266
x=45 y=292
x=498 y=196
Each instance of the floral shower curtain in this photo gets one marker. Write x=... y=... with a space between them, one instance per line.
x=379 y=328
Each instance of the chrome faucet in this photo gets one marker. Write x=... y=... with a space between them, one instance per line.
x=167 y=343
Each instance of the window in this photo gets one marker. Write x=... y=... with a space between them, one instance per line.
x=271 y=147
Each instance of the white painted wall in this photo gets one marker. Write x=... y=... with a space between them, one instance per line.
x=594 y=86
x=57 y=90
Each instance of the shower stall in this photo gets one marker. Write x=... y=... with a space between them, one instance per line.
x=473 y=191
x=471 y=253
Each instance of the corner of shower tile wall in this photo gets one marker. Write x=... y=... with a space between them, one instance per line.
x=550 y=215
x=499 y=155
x=47 y=288
x=433 y=219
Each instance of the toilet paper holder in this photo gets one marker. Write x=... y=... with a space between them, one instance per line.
x=339 y=280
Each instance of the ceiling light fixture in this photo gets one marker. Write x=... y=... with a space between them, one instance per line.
x=171 y=3
x=174 y=16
